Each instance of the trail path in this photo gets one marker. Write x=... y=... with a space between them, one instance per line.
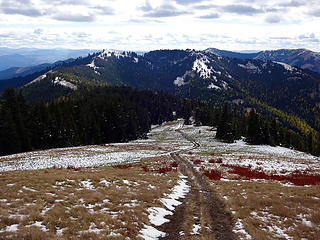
x=201 y=215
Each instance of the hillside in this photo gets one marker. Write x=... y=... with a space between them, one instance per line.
x=178 y=182
x=195 y=74
x=302 y=58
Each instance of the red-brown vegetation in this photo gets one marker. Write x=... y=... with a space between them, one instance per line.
x=299 y=178
x=197 y=161
x=174 y=164
x=145 y=168
x=219 y=160
x=73 y=168
x=212 y=174
x=123 y=166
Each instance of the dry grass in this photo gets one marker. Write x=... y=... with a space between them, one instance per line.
x=93 y=203
x=266 y=207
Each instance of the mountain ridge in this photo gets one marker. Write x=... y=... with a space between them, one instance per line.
x=301 y=57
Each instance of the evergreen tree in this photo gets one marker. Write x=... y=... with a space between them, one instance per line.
x=224 y=129
x=254 y=131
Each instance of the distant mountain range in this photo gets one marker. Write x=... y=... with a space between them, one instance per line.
x=26 y=57
x=274 y=87
x=302 y=58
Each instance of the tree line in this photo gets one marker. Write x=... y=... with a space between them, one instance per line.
x=120 y=114
x=99 y=115
x=233 y=124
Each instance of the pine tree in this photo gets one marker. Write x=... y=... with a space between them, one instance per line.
x=254 y=132
x=224 y=129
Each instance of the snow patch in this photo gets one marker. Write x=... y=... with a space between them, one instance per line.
x=87 y=184
x=150 y=233
x=11 y=228
x=212 y=86
x=195 y=230
x=200 y=66
x=239 y=228
x=180 y=81
x=95 y=68
x=61 y=81
x=110 y=53
x=250 y=67
x=157 y=214
x=286 y=66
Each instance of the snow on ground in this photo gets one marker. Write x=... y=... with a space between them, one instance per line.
x=157 y=214
x=286 y=66
x=195 y=229
x=212 y=86
x=268 y=158
x=64 y=83
x=10 y=228
x=201 y=67
x=167 y=140
x=239 y=228
x=250 y=67
x=151 y=233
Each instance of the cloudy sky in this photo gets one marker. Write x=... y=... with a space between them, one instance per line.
x=160 y=24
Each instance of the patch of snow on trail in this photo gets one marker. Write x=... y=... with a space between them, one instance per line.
x=157 y=214
x=239 y=228
x=195 y=230
x=150 y=233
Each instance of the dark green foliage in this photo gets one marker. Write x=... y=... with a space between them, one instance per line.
x=225 y=129
x=100 y=115
x=255 y=134
x=14 y=136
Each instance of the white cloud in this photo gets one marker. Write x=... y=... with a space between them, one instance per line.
x=154 y=24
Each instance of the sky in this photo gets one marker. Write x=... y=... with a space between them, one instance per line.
x=143 y=25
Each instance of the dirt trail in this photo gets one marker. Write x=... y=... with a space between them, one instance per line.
x=201 y=215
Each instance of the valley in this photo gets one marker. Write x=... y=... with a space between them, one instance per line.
x=180 y=183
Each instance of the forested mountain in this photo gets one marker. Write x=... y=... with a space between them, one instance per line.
x=302 y=58
x=276 y=89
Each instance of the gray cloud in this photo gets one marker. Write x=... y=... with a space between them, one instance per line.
x=205 y=6
x=187 y=2
x=146 y=7
x=210 y=16
x=315 y=12
x=273 y=19
x=309 y=38
x=74 y=17
x=19 y=7
x=241 y=9
x=165 y=11
x=67 y=2
x=292 y=3
x=104 y=10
